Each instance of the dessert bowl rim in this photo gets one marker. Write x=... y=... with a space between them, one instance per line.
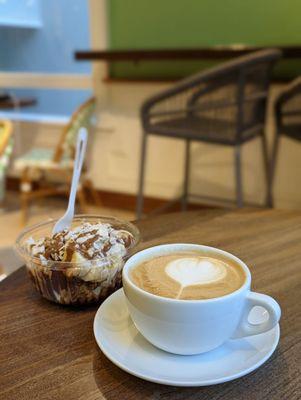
x=25 y=254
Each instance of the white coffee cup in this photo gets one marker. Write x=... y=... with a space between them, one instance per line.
x=194 y=326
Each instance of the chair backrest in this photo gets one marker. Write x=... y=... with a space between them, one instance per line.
x=80 y=118
x=235 y=91
x=6 y=143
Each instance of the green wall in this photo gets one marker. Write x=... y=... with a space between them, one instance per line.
x=200 y=23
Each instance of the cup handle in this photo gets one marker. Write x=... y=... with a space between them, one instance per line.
x=245 y=328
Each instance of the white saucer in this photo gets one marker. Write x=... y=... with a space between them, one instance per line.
x=120 y=341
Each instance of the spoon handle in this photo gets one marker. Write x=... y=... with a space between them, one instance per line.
x=66 y=220
x=78 y=163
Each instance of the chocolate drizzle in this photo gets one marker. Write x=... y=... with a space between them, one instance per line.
x=90 y=241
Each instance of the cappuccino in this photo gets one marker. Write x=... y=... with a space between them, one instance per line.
x=188 y=276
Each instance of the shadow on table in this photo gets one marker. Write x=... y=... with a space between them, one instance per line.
x=114 y=383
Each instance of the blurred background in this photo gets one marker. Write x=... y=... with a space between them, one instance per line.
x=185 y=102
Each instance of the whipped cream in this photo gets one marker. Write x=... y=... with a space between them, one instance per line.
x=91 y=245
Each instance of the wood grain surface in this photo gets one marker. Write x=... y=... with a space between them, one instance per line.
x=48 y=352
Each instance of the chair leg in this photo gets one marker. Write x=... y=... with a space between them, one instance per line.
x=24 y=208
x=25 y=189
x=2 y=189
x=186 y=176
x=238 y=176
x=87 y=184
x=82 y=198
x=139 y=206
x=266 y=168
x=272 y=168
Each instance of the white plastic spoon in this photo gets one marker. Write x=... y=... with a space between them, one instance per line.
x=66 y=220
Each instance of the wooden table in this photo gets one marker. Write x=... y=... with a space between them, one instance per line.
x=48 y=352
x=16 y=103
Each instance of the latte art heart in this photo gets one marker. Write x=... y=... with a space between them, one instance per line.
x=195 y=271
x=188 y=275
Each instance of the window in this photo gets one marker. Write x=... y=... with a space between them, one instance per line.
x=43 y=56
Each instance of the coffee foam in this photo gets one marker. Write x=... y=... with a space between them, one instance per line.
x=195 y=271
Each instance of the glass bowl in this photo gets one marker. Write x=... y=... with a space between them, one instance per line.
x=72 y=283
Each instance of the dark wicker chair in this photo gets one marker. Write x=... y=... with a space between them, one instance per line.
x=225 y=105
x=287 y=111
